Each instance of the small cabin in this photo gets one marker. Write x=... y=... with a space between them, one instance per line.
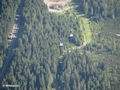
x=71 y=35
x=55 y=6
x=61 y=44
x=118 y=35
x=60 y=61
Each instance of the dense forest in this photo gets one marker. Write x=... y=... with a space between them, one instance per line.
x=39 y=63
x=99 y=8
x=7 y=15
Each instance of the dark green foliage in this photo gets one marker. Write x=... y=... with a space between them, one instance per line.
x=99 y=8
x=37 y=50
x=7 y=16
x=36 y=62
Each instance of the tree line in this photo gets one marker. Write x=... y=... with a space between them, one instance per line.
x=99 y=8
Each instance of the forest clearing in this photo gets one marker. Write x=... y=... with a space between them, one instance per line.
x=57 y=5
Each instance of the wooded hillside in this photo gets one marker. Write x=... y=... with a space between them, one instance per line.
x=39 y=63
x=99 y=8
x=7 y=15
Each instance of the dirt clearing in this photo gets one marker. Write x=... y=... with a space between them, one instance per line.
x=57 y=5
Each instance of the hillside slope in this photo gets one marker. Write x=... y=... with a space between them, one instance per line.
x=38 y=62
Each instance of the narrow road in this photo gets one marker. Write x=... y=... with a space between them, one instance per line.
x=12 y=40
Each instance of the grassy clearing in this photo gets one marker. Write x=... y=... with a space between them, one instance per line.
x=85 y=27
x=84 y=23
